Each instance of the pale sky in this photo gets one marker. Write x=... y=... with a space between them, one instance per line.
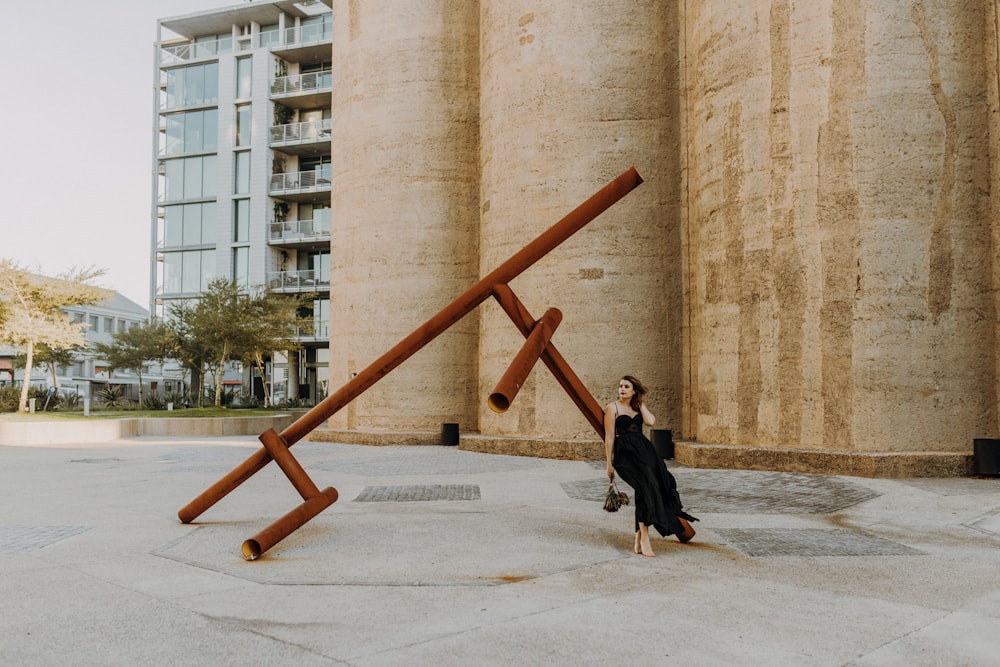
x=76 y=126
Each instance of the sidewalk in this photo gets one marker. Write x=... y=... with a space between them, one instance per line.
x=434 y=555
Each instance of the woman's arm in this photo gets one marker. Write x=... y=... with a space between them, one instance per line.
x=609 y=437
x=647 y=417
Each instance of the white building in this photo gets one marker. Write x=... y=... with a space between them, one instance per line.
x=241 y=159
x=90 y=374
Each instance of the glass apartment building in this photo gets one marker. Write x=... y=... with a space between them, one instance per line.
x=241 y=185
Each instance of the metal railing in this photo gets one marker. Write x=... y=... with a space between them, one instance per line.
x=301 y=133
x=295 y=84
x=300 y=230
x=179 y=53
x=300 y=181
x=308 y=280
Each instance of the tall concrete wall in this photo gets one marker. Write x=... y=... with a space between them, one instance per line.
x=839 y=180
x=808 y=264
x=404 y=204
x=573 y=94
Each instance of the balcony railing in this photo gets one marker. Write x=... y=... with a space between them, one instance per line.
x=320 y=330
x=301 y=133
x=298 y=281
x=300 y=230
x=295 y=84
x=308 y=34
x=300 y=181
x=179 y=53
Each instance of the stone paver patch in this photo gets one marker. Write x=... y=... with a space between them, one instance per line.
x=14 y=539
x=379 y=494
x=763 y=542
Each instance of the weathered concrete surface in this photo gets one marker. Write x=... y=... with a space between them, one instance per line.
x=405 y=202
x=838 y=179
x=797 y=570
x=572 y=95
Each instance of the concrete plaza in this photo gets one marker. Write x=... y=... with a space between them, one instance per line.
x=434 y=555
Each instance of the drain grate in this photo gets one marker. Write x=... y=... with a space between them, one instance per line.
x=383 y=494
x=764 y=542
x=15 y=539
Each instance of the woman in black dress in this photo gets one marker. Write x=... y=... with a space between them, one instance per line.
x=631 y=453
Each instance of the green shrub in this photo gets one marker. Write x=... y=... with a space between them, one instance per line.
x=111 y=396
x=152 y=401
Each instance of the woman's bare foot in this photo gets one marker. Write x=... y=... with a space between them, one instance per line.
x=636 y=548
x=645 y=548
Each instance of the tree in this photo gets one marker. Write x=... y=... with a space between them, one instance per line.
x=33 y=313
x=191 y=351
x=52 y=358
x=227 y=323
x=138 y=345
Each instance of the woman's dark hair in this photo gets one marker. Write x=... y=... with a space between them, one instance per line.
x=640 y=391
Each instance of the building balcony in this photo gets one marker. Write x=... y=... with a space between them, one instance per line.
x=319 y=332
x=305 y=44
x=177 y=54
x=287 y=282
x=300 y=233
x=300 y=185
x=309 y=138
x=303 y=91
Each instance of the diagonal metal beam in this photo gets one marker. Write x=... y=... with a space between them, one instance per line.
x=575 y=220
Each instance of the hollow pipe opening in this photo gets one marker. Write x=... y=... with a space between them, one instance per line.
x=498 y=402
x=251 y=550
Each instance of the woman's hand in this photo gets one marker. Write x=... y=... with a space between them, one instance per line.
x=611 y=473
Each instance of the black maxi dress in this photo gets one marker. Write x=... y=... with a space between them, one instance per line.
x=657 y=502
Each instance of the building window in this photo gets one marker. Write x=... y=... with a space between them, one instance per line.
x=241 y=266
x=241 y=220
x=243 y=124
x=189 y=224
x=122 y=325
x=189 y=178
x=197 y=85
x=187 y=271
x=244 y=78
x=109 y=324
x=242 y=185
x=94 y=322
x=192 y=132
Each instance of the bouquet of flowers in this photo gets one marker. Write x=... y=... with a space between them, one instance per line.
x=614 y=498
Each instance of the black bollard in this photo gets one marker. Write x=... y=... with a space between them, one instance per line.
x=449 y=434
x=663 y=442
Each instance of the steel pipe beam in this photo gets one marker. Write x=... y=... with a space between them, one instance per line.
x=288 y=524
x=508 y=386
x=555 y=362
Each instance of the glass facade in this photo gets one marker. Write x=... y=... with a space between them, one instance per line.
x=187 y=271
x=197 y=85
x=215 y=146
x=192 y=132
x=243 y=125
x=188 y=225
x=189 y=178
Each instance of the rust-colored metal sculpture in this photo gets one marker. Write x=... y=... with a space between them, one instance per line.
x=517 y=372
x=276 y=445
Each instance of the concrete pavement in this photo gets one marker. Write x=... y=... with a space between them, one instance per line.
x=433 y=555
